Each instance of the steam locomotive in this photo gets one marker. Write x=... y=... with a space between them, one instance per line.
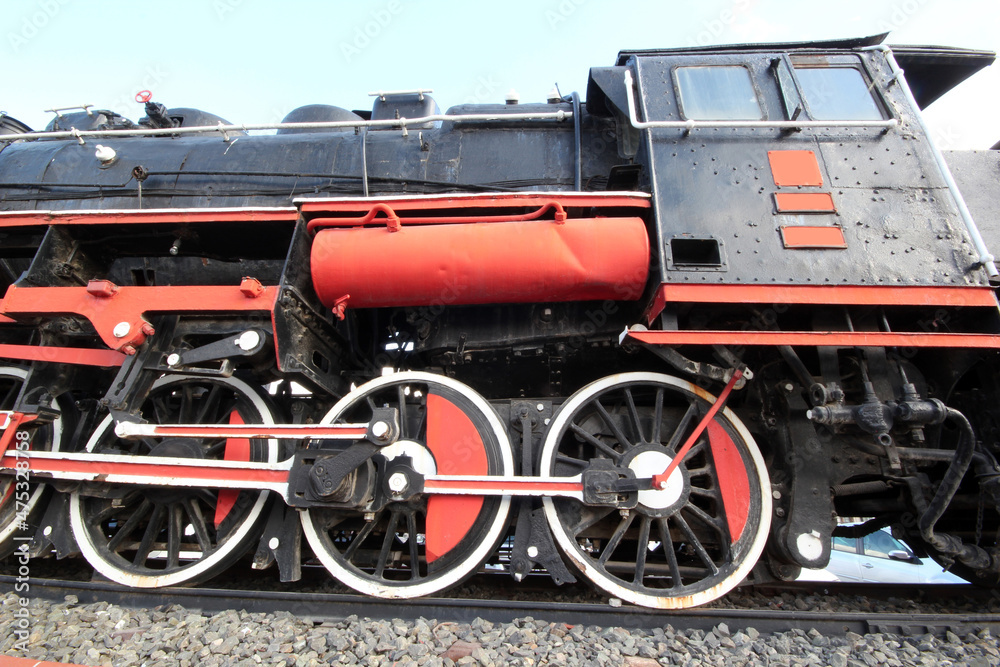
x=660 y=339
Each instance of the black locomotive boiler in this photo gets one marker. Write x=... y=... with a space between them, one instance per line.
x=661 y=338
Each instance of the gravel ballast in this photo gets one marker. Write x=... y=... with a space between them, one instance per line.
x=104 y=634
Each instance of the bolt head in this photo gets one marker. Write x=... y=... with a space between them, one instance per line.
x=380 y=430
x=121 y=329
x=173 y=359
x=273 y=543
x=248 y=340
x=397 y=482
x=540 y=407
x=532 y=552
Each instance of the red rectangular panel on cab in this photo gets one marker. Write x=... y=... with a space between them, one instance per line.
x=791 y=168
x=804 y=202
x=813 y=237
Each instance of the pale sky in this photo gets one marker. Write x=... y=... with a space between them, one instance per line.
x=252 y=61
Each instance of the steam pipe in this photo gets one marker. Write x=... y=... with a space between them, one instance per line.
x=578 y=166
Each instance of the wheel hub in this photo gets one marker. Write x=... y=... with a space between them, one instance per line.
x=662 y=502
x=174 y=448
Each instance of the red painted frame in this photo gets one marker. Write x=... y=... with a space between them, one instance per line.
x=129 y=304
x=822 y=295
x=818 y=338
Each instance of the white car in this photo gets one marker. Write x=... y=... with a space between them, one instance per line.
x=881 y=558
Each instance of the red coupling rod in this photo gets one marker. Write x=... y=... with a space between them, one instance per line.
x=660 y=481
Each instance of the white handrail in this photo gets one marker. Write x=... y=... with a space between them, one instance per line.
x=400 y=123
x=985 y=256
x=701 y=124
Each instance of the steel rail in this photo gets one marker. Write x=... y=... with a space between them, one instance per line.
x=336 y=606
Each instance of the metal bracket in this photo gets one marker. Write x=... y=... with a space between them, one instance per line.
x=533 y=545
x=245 y=344
x=54 y=530
x=698 y=368
x=319 y=475
x=281 y=543
x=603 y=485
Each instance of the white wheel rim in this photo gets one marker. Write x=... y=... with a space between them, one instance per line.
x=597 y=576
x=478 y=555
x=83 y=536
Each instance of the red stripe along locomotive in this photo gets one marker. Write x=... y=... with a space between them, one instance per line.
x=659 y=339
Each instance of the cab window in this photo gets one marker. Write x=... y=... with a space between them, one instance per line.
x=837 y=93
x=717 y=93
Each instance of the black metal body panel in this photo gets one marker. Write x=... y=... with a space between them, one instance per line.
x=901 y=224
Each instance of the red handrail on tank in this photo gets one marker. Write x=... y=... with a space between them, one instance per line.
x=394 y=221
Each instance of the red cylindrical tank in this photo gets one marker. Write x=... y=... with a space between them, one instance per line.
x=580 y=259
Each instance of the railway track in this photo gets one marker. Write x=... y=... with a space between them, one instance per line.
x=337 y=606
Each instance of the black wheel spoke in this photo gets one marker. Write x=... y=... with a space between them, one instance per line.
x=562 y=462
x=207 y=403
x=359 y=538
x=411 y=530
x=657 y=416
x=216 y=449
x=696 y=544
x=207 y=497
x=175 y=536
x=634 y=414
x=668 y=551
x=149 y=536
x=702 y=516
x=616 y=538
x=198 y=523
x=161 y=411
x=592 y=439
x=401 y=400
x=682 y=427
x=641 y=550
x=186 y=411
x=590 y=517
x=386 y=552
x=615 y=430
x=129 y=526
